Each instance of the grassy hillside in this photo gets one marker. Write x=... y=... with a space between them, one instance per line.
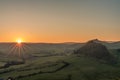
x=46 y=64
x=84 y=68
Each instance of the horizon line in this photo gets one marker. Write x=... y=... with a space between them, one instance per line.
x=61 y=42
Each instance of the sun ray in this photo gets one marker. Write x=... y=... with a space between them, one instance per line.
x=13 y=48
x=19 y=49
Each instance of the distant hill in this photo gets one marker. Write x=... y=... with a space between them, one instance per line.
x=55 y=48
x=96 y=50
x=49 y=48
x=108 y=44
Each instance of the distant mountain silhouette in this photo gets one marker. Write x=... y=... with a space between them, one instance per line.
x=96 y=40
x=96 y=50
x=108 y=44
x=99 y=41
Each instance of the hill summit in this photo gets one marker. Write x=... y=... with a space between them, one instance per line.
x=95 y=50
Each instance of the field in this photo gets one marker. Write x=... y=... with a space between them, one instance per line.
x=56 y=62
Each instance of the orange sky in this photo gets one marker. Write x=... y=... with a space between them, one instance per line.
x=59 y=21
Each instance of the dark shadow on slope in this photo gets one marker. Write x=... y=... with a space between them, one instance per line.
x=12 y=63
x=97 y=51
x=43 y=72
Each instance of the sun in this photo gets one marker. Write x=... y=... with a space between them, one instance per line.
x=19 y=41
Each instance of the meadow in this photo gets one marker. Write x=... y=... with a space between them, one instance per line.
x=45 y=61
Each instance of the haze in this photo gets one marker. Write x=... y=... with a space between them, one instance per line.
x=59 y=20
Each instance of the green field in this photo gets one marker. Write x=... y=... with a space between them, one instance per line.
x=56 y=66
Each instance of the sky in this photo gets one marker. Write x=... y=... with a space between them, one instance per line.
x=59 y=20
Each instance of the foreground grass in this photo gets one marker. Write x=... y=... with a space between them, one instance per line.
x=79 y=68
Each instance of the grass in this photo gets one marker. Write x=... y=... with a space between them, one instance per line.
x=79 y=68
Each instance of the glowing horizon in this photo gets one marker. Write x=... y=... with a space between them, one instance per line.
x=59 y=20
x=19 y=41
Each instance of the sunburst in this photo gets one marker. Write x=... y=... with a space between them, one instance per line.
x=19 y=41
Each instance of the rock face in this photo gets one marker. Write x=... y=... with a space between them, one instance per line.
x=95 y=50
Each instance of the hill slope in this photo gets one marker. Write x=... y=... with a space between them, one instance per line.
x=95 y=50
